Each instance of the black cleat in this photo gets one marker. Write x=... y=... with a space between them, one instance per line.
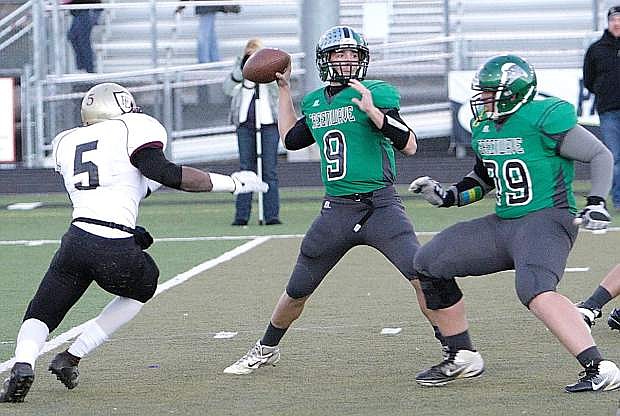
x=456 y=364
x=15 y=388
x=614 y=319
x=602 y=376
x=65 y=367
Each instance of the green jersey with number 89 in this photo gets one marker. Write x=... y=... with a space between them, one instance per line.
x=521 y=155
x=355 y=156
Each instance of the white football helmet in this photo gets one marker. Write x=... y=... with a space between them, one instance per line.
x=105 y=101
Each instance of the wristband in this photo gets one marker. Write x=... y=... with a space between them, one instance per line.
x=222 y=183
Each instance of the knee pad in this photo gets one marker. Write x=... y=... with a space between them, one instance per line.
x=440 y=293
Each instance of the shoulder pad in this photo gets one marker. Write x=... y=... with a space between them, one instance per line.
x=556 y=115
x=384 y=95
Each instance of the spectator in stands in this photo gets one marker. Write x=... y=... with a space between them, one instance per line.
x=208 y=50
x=80 y=34
x=602 y=77
x=243 y=115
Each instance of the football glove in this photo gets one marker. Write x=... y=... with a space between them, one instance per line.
x=432 y=191
x=246 y=181
x=594 y=216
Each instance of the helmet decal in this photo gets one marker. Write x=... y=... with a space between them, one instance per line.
x=105 y=101
x=511 y=79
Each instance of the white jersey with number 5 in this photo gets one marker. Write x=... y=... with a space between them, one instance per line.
x=94 y=162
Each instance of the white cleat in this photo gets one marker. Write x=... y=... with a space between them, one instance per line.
x=455 y=365
x=603 y=376
x=258 y=356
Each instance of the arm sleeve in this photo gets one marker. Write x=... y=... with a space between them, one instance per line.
x=152 y=163
x=579 y=144
x=471 y=188
x=299 y=136
x=394 y=128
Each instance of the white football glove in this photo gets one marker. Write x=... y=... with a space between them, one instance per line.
x=594 y=216
x=431 y=190
x=246 y=181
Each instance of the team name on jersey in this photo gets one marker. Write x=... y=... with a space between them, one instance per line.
x=332 y=117
x=506 y=146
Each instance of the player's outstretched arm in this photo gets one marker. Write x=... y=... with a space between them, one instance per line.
x=152 y=163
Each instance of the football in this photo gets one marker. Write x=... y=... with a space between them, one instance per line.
x=262 y=66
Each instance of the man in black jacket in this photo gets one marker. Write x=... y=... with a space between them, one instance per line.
x=601 y=76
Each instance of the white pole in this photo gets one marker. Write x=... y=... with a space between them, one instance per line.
x=259 y=152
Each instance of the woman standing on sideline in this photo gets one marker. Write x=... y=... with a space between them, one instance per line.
x=243 y=115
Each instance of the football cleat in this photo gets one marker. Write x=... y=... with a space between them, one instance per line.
x=614 y=319
x=15 y=388
x=258 y=356
x=590 y=315
x=456 y=364
x=65 y=367
x=603 y=376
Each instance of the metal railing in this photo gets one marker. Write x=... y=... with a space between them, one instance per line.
x=175 y=93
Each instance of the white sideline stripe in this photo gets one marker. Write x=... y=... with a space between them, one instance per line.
x=227 y=238
x=162 y=240
x=177 y=280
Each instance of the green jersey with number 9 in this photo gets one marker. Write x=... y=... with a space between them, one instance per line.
x=521 y=155
x=355 y=156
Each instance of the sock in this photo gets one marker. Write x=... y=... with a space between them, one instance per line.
x=439 y=337
x=589 y=356
x=92 y=337
x=116 y=314
x=460 y=341
x=272 y=335
x=599 y=298
x=30 y=341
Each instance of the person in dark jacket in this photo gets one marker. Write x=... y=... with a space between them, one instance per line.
x=208 y=50
x=601 y=76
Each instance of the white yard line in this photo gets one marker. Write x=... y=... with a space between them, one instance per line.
x=225 y=238
x=177 y=280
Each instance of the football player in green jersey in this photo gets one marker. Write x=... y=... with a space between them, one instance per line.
x=357 y=126
x=525 y=149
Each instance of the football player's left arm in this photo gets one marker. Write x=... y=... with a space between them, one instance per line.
x=152 y=163
x=387 y=120
x=470 y=189
x=579 y=144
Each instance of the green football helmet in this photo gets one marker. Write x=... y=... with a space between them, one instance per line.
x=336 y=39
x=511 y=79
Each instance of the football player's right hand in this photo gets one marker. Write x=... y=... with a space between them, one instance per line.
x=431 y=190
x=246 y=181
x=594 y=216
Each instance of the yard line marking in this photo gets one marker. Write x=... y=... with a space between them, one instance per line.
x=223 y=238
x=162 y=240
x=177 y=280
x=566 y=270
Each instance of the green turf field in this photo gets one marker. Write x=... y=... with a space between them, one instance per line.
x=334 y=359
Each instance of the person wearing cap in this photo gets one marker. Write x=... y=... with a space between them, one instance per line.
x=601 y=76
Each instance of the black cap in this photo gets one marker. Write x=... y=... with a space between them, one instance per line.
x=613 y=10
